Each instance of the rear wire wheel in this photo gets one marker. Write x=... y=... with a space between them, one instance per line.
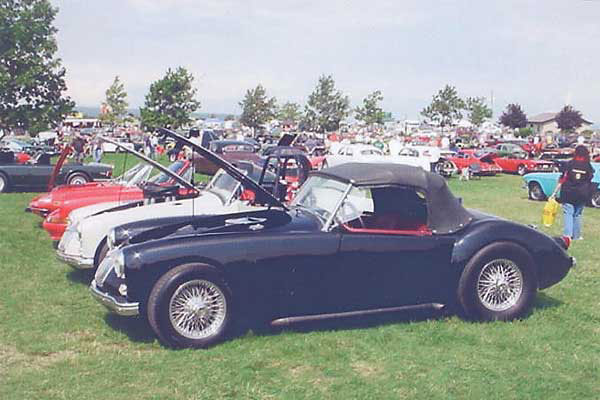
x=498 y=283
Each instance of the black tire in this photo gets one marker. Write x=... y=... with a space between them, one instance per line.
x=595 y=200
x=77 y=178
x=171 y=285
x=4 y=185
x=536 y=192
x=472 y=281
x=521 y=170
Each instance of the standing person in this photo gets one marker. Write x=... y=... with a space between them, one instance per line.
x=153 y=145
x=97 y=149
x=575 y=191
x=78 y=144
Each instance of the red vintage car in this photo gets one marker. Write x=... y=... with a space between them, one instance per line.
x=520 y=163
x=65 y=199
x=134 y=185
x=470 y=158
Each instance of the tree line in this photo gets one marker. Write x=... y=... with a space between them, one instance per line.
x=32 y=86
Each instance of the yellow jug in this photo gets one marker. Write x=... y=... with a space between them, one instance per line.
x=550 y=211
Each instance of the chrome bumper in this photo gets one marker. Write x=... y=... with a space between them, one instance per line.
x=108 y=301
x=75 y=261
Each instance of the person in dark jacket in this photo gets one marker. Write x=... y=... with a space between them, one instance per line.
x=575 y=191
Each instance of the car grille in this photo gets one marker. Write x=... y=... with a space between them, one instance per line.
x=66 y=239
x=104 y=268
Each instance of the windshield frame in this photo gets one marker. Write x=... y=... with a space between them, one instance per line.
x=211 y=187
x=329 y=219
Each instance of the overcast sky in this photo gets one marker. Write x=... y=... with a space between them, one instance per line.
x=541 y=54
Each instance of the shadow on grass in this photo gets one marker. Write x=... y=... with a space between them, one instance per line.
x=543 y=301
x=136 y=328
x=80 y=276
x=352 y=323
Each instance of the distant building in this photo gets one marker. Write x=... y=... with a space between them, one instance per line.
x=546 y=123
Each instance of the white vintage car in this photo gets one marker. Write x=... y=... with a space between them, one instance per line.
x=363 y=153
x=84 y=243
x=434 y=156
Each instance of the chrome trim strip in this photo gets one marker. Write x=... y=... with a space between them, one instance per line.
x=75 y=261
x=108 y=301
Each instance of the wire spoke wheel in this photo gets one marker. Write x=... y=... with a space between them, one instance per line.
x=500 y=285
x=197 y=309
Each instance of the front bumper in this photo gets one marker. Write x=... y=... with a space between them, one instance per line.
x=113 y=304
x=55 y=231
x=42 y=212
x=75 y=261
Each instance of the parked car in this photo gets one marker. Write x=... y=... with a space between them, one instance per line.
x=364 y=153
x=230 y=150
x=468 y=158
x=541 y=185
x=39 y=173
x=333 y=253
x=137 y=184
x=520 y=163
x=86 y=240
x=438 y=163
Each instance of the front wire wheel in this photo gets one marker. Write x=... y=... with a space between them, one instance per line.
x=190 y=306
x=197 y=309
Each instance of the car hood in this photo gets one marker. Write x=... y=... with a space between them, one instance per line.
x=262 y=195
x=236 y=222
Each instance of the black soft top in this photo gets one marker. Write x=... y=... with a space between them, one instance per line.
x=445 y=213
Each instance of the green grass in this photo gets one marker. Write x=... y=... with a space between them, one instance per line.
x=56 y=342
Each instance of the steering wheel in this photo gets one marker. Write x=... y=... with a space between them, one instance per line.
x=355 y=211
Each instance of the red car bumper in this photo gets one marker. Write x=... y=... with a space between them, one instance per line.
x=54 y=230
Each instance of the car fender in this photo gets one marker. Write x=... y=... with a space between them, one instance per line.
x=542 y=248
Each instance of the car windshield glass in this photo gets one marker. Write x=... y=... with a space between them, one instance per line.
x=162 y=177
x=321 y=195
x=223 y=185
x=130 y=173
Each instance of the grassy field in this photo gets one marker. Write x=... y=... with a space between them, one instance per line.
x=56 y=342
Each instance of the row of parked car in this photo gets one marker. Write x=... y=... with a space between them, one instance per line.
x=282 y=243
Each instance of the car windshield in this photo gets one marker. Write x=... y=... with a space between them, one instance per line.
x=129 y=175
x=223 y=185
x=163 y=177
x=320 y=195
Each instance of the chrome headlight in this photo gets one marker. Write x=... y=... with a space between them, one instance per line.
x=119 y=263
x=111 y=239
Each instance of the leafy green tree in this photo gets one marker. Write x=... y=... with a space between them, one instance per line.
x=513 y=117
x=569 y=119
x=370 y=112
x=115 y=103
x=170 y=101
x=478 y=110
x=289 y=112
x=230 y=117
x=326 y=107
x=32 y=79
x=445 y=108
x=257 y=108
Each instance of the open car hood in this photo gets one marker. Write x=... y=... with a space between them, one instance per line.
x=150 y=161
x=286 y=139
x=261 y=194
x=61 y=160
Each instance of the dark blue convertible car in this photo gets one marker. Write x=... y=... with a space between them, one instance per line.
x=357 y=239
